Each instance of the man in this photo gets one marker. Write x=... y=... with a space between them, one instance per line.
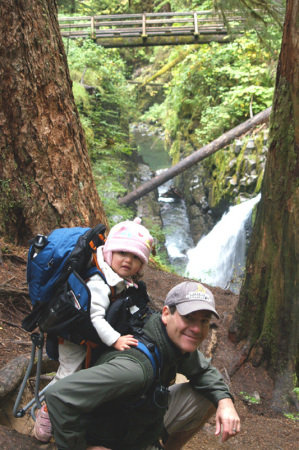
x=100 y=408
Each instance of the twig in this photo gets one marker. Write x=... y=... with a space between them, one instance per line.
x=42 y=377
x=26 y=343
x=82 y=79
x=7 y=281
x=11 y=323
x=250 y=107
x=226 y=376
x=14 y=291
x=16 y=257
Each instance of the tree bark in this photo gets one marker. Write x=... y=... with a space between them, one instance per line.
x=45 y=170
x=196 y=157
x=268 y=311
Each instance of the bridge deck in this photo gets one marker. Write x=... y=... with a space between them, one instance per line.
x=129 y=30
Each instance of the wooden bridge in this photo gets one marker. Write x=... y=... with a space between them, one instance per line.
x=151 y=29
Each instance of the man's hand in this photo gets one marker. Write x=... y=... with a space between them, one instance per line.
x=98 y=448
x=124 y=342
x=227 y=416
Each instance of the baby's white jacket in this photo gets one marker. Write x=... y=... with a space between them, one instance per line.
x=100 y=301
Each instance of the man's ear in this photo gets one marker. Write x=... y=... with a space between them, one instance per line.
x=165 y=314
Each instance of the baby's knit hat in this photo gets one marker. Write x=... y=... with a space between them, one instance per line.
x=128 y=236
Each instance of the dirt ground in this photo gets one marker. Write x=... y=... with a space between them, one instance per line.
x=262 y=427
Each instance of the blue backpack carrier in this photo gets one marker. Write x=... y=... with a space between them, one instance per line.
x=56 y=273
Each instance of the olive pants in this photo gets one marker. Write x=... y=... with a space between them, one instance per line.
x=188 y=411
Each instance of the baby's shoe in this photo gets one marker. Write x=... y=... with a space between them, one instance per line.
x=42 y=427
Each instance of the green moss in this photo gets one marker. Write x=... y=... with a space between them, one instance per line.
x=253 y=214
x=240 y=160
x=175 y=151
x=82 y=98
x=259 y=182
x=8 y=201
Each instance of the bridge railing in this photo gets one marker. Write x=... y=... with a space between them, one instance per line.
x=147 y=24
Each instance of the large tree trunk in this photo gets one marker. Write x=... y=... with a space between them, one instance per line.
x=268 y=312
x=45 y=170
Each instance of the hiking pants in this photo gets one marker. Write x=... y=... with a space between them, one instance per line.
x=86 y=390
x=188 y=411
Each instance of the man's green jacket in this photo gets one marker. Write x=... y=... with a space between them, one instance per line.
x=100 y=405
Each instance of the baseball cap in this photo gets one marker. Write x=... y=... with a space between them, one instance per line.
x=191 y=296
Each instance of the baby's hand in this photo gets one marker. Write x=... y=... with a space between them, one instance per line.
x=124 y=342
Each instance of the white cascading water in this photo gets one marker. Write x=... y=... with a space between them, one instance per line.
x=175 y=226
x=219 y=257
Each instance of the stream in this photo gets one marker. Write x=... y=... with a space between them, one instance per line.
x=173 y=212
x=219 y=257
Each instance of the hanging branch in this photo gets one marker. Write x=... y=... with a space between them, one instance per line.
x=82 y=79
x=168 y=66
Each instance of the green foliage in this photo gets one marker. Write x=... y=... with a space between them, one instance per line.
x=215 y=88
x=255 y=11
x=155 y=113
x=101 y=67
x=97 y=7
x=296 y=392
x=104 y=116
x=292 y=416
x=161 y=262
x=249 y=398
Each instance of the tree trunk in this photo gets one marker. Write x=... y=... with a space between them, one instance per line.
x=45 y=170
x=267 y=316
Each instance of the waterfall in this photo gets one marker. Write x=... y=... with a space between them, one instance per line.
x=219 y=257
x=176 y=227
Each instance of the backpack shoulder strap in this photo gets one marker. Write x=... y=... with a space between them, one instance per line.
x=156 y=393
x=97 y=237
x=92 y=271
x=95 y=269
x=151 y=351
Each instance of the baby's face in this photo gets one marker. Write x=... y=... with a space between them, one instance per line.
x=125 y=264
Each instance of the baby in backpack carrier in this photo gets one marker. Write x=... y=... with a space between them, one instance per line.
x=121 y=260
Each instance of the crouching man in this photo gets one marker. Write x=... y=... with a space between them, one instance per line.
x=119 y=404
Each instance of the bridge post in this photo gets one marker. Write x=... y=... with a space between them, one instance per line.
x=195 y=24
x=93 y=33
x=144 y=35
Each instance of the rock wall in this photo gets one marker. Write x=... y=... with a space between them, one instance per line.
x=228 y=177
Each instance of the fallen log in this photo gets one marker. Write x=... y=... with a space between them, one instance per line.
x=12 y=374
x=195 y=157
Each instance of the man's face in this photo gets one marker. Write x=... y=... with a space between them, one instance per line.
x=186 y=332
